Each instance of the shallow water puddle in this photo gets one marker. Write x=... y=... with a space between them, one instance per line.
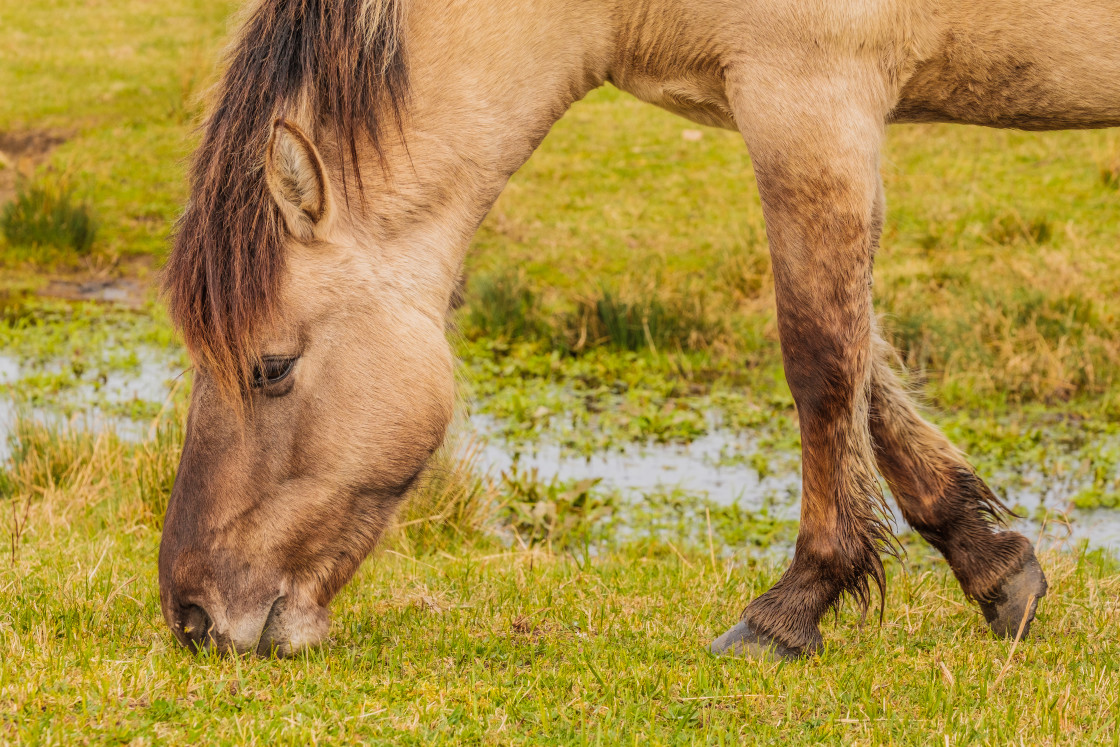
x=118 y=399
x=713 y=465
x=702 y=468
x=9 y=369
x=724 y=466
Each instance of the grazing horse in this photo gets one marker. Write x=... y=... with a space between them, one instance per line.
x=354 y=146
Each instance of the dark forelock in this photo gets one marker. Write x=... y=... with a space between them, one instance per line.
x=345 y=60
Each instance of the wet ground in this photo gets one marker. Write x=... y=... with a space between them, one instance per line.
x=715 y=465
x=122 y=291
x=724 y=466
x=702 y=468
x=93 y=405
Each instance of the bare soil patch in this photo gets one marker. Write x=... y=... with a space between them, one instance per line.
x=21 y=151
x=124 y=291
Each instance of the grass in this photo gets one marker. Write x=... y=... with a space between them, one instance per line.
x=619 y=292
x=502 y=306
x=45 y=216
x=505 y=307
x=996 y=278
x=454 y=503
x=121 y=86
x=467 y=640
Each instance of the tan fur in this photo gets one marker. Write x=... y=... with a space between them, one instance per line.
x=285 y=504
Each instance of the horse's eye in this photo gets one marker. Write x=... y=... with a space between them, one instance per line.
x=272 y=370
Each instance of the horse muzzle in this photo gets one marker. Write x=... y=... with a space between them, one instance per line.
x=280 y=628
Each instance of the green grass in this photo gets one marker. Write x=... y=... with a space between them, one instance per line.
x=121 y=84
x=468 y=640
x=619 y=292
x=997 y=278
x=505 y=307
x=46 y=216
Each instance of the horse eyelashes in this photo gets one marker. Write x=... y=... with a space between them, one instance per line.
x=272 y=371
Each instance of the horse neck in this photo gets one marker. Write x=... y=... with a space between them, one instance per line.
x=488 y=81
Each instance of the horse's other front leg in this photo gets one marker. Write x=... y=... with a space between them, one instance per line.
x=943 y=498
x=816 y=158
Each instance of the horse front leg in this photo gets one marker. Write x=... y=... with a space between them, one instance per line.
x=816 y=159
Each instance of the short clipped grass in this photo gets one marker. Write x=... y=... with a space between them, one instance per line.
x=460 y=638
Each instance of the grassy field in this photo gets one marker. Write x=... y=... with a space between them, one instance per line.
x=452 y=636
x=996 y=278
x=618 y=293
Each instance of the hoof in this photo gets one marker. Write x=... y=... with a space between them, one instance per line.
x=1015 y=601
x=741 y=640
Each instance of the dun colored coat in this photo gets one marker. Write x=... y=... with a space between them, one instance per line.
x=353 y=147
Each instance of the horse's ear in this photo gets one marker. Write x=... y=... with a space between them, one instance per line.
x=298 y=181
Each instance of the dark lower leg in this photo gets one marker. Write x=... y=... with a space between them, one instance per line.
x=940 y=494
x=838 y=545
x=824 y=313
x=816 y=162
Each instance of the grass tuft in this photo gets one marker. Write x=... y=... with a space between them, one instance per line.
x=154 y=464
x=503 y=306
x=50 y=461
x=454 y=502
x=46 y=215
x=1012 y=228
x=1110 y=176
x=45 y=457
x=639 y=322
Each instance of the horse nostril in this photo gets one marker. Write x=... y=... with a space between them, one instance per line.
x=195 y=625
